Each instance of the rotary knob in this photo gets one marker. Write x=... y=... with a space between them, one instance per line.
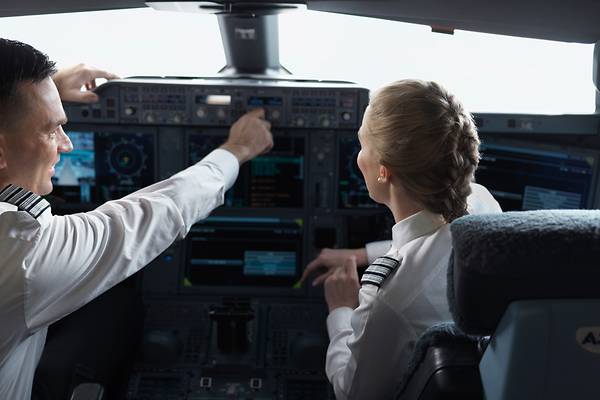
x=150 y=118
x=130 y=111
x=178 y=118
x=275 y=114
x=299 y=121
x=201 y=112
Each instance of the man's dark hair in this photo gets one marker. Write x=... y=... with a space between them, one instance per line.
x=20 y=63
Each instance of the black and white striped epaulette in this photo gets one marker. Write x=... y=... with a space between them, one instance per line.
x=380 y=269
x=25 y=200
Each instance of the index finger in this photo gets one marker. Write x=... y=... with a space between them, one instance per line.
x=314 y=264
x=99 y=73
x=257 y=112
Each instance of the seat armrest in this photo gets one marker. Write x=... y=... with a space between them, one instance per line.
x=88 y=391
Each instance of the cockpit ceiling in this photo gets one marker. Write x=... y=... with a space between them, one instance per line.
x=569 y=21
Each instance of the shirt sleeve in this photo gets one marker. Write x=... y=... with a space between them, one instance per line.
x=481 y=201
x=364 y=354
x=344 y=325
x=77 y=257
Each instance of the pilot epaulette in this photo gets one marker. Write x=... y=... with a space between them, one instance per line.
x=25 y=200
x=380 y=269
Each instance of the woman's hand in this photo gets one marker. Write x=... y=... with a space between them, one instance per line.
x=330 y=260
x=341 y=286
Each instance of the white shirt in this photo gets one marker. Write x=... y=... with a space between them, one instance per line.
x=53 y=265
x=480 y=201
x=370 y=347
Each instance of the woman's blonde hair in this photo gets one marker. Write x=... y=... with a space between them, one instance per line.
x=427 y=139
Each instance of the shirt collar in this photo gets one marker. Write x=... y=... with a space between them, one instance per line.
x=420 y=224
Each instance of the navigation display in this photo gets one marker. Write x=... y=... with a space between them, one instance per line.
x=352 y=189
x=275 y=180
x=104 y=166
x=527 y=176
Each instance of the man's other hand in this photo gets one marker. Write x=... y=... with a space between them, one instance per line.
x=71 y=81
x=249 y=136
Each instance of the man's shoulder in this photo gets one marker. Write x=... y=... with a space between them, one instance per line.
x=24 y=200
x=17 y=224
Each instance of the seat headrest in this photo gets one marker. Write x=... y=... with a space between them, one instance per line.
x=500 y=258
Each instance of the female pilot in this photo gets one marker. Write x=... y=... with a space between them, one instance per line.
x=419 y=151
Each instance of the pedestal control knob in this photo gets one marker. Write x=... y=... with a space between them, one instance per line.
x=150 y=118
x=325 y=121
x=201 y=112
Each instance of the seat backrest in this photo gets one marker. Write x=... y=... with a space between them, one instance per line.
x=501 y=258
x=531 y=280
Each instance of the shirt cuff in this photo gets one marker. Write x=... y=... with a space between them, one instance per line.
x=377 y=249
x=228 y=164
x=338 y=320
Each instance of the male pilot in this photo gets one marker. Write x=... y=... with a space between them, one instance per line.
x=52 y=265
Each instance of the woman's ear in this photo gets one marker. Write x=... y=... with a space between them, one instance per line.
x=2 y=152
x=384 y=172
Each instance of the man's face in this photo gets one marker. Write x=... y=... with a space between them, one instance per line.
x=29 y=153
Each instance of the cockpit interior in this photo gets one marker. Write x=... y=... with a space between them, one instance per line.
x=220 y=314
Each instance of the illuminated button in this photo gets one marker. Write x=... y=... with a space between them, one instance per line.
x=221 y=114
x=275 y=114
x=205 y=382
x=150 y=118
x=299 y=121
x=346 y=116
x=177 y=118
x=201 y=112
x=256 y=383
x=129 y=111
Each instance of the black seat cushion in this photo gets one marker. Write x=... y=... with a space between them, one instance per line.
x=96 y=343
x=444 y=365
x=500 y=258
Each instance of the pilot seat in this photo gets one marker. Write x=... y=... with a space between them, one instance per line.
x=524 y=293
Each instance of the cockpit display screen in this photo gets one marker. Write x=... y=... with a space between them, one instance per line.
x=352 y=189
x=274 y=180
x=528 y=176
x=245 y=251
x=104 y=166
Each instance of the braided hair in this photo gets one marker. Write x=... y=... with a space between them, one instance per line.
x=426 y=138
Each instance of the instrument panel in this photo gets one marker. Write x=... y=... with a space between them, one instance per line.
x=224 y=317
